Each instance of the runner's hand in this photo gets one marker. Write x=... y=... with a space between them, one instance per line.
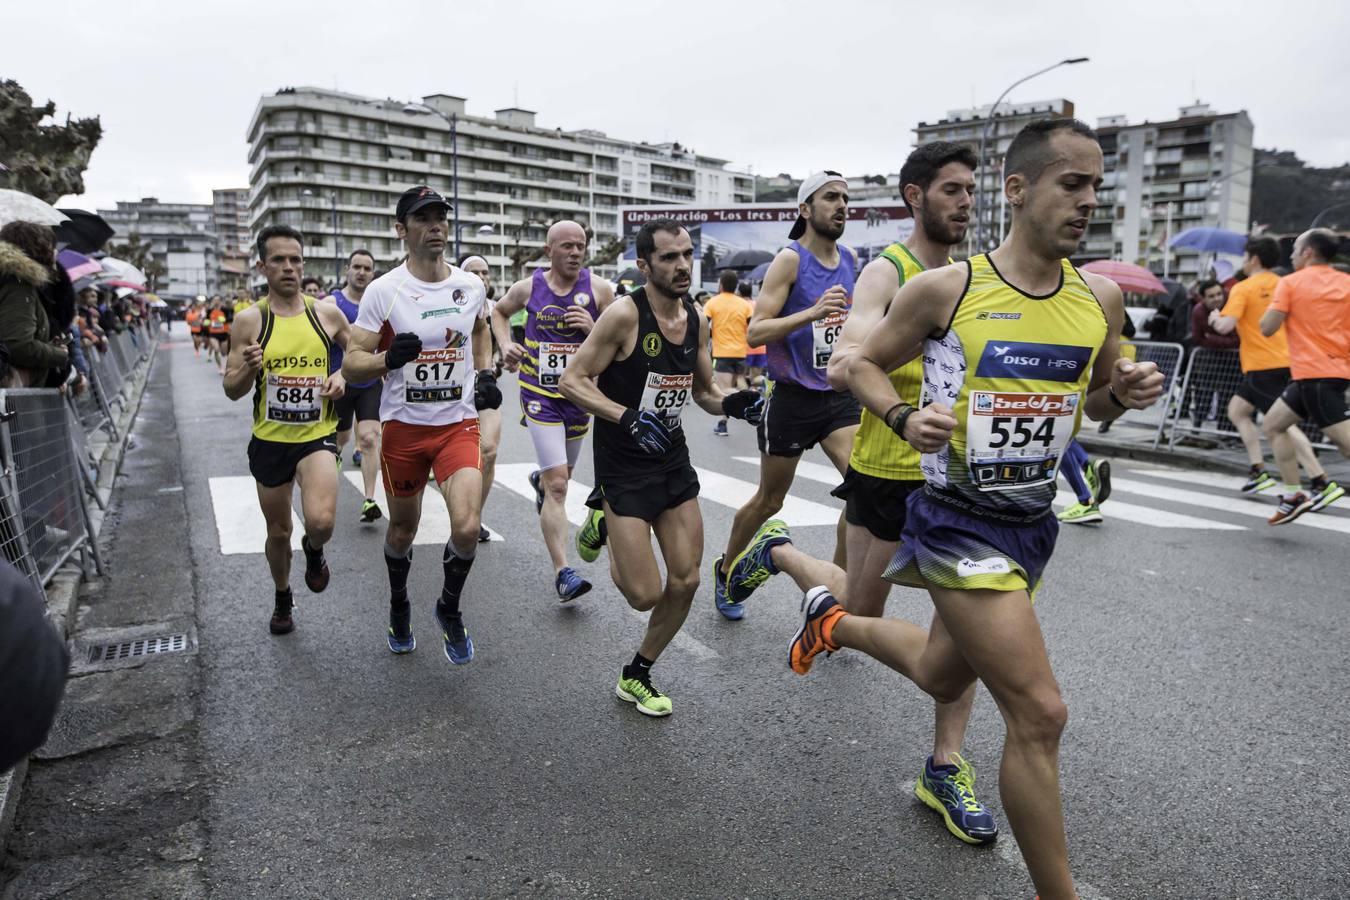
x=512 y=354
x=486 y=394
x=1136 y=384
x=402 y=351
x=746 y=405
x=834 y=300
x=929 y=429
x=334 y=386
x=647 y=430
x=253 y=356
x=579 y=318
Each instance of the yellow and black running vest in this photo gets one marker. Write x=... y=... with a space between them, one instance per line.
x=1013 y=368
x=877 y=450
x=286 y=404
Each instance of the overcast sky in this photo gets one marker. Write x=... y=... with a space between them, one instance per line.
x=782 y=86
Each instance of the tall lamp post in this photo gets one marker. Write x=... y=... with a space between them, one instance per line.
x=984 y=138
x=452 y=120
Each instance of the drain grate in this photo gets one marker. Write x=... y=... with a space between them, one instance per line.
x=166 y=643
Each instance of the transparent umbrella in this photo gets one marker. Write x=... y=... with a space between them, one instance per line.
x=16 y=206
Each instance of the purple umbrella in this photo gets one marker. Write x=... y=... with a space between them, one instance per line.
x=1214 y=240
x=77 y=265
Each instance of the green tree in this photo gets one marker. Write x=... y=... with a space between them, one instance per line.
x=47 y=161
x=137 y=252
x=1287 y=194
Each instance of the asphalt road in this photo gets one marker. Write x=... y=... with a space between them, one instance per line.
x=1203 y=668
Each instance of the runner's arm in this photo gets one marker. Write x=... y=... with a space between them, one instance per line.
x=362 y=361
x=482 y=345
x=334 y=321
x=604 y=293
x=874 y=289
x=1271 y=320
x=766 y=325
x=245 y=358
x=1134 y=385
x=512 y=302
x=578 y=383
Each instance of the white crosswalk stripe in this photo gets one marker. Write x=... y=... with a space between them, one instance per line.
x=1148 y=515
x=1213 y=501
x=432 y=528
x=516 y=477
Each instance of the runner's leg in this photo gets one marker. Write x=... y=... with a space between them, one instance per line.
x=318 y=480
x=679 y=532
x=1278 y=420
x=276 y=510
x=632 y=563
x=775 y=477
x=553 y=517
x=1074 y=468
x=490 y=424
x=368 y=440
x=1241 y=413
x=838 y=444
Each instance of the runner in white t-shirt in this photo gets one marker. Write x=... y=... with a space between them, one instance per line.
x=423 y=326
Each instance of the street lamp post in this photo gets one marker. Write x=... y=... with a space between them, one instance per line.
x=453 y=121
x=1317 y=219
x=984 y=138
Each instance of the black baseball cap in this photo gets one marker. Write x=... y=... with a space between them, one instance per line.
x=415 y=198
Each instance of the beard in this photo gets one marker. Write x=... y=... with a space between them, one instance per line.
x=826 y=228
x=939 y=229
x=665 y=286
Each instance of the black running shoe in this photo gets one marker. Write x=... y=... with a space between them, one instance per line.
x=316 y=567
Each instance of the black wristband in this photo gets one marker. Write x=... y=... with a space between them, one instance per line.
x=898 y=423
x=1111 y=392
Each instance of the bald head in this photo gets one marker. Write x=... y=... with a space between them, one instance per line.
x=566 y=246
x=1314 y=247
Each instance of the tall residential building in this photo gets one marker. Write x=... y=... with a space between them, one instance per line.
x=1165 y=177
x=333 y=165
x=966 y=126
x=182 y=239
x=230 y=208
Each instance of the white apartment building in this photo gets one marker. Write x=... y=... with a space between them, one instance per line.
x=333 y=165
x=229 y=206
x=182 y=238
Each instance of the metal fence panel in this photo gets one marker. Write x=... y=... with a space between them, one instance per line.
x=123 y=352
x=1168 y=358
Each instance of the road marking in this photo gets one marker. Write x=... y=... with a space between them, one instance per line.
x=733 y=493
x=1147 y=515
x=516 y=477
x=239 y=521
x=808 y=470
x=434 y=526
x=1224 y=504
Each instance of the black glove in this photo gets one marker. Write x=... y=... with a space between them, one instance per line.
x=486 y=394
x=647 y=430
x=402 y=351
x=747 y=405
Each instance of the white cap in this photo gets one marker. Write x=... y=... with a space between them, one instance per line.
x=812 y=184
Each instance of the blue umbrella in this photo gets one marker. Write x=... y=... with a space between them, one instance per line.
x=1214 y=240
x=757 y=274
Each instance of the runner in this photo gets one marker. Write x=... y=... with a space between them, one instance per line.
x=314 y=288
x=1007 y=372
x=489 y=420
x=729 y=314
x=799 y=314
x=418 y=326
x=361 y=403
x=1313 y=304
x=562 y=303
x=1091 y=483
x=280 y=353
x=196 y=321
x=218 y=328
x=641 y=363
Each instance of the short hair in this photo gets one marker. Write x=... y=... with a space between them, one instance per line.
x=1205 y=285
x=272 y=231
x=37 y=242
x=1265 y=249
x=1323 y=242
x=922 y=165
x=1029 y=152
x=360 y=251
x=311 y=279
x=727 y=281
x=743 y=289
x=645 y=242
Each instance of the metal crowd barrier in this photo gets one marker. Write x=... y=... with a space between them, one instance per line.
x=1168 y=358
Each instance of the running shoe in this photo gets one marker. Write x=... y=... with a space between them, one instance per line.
x=1291 y=507
x=400 y=636
x=1081 y=514
x=639 y=692
x=316 y=567
x=370 y=511
x=820 y=613
x=483 y=534
x=570 y=585
x=281 y=622
x=339 y=461
x=1327 y=496
x=950 y=792
x=1098 y=477
x=1260 y=480
x=720 y=429
x=755 y=564
x=538 y=490
x=458 y=644
x=592 y=535
x=356 y=457
x=733 y=611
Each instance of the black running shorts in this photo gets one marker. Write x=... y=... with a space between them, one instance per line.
x=798 y=418
x=1321 y=400
x=359 y=403
x=877 y=504
x=273 y=463
x=646 y=496
x=1262 y=387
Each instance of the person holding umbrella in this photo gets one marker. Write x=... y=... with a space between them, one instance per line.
x=27 y=254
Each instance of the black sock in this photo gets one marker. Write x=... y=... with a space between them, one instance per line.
x=398 y=567
x=456 y=572
x=1258 y=468
x=311 y=554
x=285 y=601
x=1319 y=482
x=640 y=667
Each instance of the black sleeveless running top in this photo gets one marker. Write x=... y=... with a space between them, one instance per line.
x=657 y=376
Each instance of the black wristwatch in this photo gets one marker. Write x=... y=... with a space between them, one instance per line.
x=1111 y=392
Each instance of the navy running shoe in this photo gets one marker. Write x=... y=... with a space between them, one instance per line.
x=729 y=610
x=458 y=644
x=401 y=638
x=950 y=792
x=755 y=564
x=535 y=477
x=570 y=585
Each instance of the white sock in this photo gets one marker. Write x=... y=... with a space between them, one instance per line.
x=1289 y=490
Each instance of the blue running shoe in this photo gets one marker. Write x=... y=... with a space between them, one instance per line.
x=538 y=490
x=401 y=638
x=755 y=564
x=458 y=644
x=356 y=457
x=570 y=585
x=950 y=791
x=733 y=611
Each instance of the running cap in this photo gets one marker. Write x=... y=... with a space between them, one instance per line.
x=415 y=198
x=812 y=184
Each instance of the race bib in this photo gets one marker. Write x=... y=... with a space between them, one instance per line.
x=666 y=395
x=824 y=334
x=436 y=376
x=553 y=359
x=1015 y=440
x=294 y=399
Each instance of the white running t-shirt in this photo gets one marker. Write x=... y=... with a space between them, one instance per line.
x=437 y=387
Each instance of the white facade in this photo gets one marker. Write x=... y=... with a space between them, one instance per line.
x=334 y=164
x=182 y=238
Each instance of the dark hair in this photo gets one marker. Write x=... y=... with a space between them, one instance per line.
x=1029 y=152
x=646 y=236
x=311 y=279
x=743 y=289
x=272 y=231
x=1265 y=249
x=1323 y=242
x=361 y=251
x=727 y=281
x=927 y=160
x=1206 y=285
x=36 y=241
